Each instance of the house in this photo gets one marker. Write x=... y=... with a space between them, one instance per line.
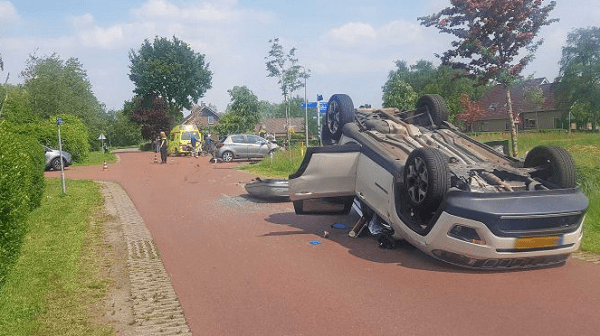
x=277 y=126
x=532 y=116
x=202 y=116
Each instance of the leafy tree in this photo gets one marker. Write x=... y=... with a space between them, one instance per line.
x=62 y=87
x=491 y=34
x=425 y=78
x=290 y=75
x=16 y=107
x=170 y=70
x=472 y=111
x=580 y=75
x=152 y=116
x=242 y=113
x=398 y=93
x=122 y=131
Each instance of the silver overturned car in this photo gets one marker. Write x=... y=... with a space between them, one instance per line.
x=454 y=198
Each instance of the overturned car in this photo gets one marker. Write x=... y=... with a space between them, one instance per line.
x=454 y=198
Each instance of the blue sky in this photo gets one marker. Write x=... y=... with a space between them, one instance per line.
x=349 y=46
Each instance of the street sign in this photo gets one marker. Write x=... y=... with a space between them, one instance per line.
x=323 y=108
x=59 y=121
x=101 y=137
x=310 y=105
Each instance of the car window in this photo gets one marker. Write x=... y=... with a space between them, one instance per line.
x=238 y=138
x=253 y=138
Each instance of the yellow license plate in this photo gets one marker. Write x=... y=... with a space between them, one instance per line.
x=537 y=242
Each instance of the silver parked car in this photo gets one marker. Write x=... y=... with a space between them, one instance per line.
x=243 y=146
x=53 y=158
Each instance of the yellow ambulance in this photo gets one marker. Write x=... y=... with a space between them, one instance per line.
x=180 y=139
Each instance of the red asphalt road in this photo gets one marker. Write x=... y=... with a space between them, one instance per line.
x=246 y=268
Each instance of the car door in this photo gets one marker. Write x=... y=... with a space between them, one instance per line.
x=257 y=146
x=326 y=180
x=239 y=145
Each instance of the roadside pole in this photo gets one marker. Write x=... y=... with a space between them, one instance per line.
x=62 y=168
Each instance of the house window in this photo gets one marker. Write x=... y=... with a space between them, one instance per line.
x=211 y=120
x=485 y=126
x=507 y=128
x=493 y=106
x=530 y=123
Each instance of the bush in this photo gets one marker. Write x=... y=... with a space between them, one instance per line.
x=21 y=188
x=74 y=135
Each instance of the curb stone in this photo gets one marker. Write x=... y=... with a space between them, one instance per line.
x=156 y=308
x=586 y=256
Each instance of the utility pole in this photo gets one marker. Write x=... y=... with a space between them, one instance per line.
x=59 y=121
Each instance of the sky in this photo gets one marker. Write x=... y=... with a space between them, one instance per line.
x=349 y=46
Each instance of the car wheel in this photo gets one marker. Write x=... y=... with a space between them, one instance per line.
x=340 y=111
x=227 y=156
x=426 y=178
x=56 y=163
x=435 y=108
x=554 y=164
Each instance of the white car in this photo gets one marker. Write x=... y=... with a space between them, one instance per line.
x=454 y=198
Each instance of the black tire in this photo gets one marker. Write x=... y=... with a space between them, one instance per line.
x=227 y=156
x=426 y=178
x=55 y=163
x=435 y=106
x=340 y=111
x=555 y=165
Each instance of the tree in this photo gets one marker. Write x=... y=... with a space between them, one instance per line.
x=153 y=117
x=290 y=75
x=398 y=93
x=62 y=87
x=243 y=111
x=122 y=131
x=425 y=78
x=170 y=70
x=491 y=34
x=580 y=75
x=472 y=111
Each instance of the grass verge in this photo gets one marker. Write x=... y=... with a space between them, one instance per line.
x=97 y=158
x=56 y=283
x=281 y=165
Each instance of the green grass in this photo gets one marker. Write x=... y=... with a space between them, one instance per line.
x=56 y=282
x=281 y=165
x=97 y=158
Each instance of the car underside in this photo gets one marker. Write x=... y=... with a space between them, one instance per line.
x=453 y=197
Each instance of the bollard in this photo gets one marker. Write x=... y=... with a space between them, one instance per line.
x=105 y=166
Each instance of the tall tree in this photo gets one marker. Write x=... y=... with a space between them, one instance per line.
x=170 y=70
x=580 y=75
x=491 y=34
x=290 y=75
x=57 y=86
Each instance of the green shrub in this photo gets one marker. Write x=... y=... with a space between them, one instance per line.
x=74 y=134
x=21 y=188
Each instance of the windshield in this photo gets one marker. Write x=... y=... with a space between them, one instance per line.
x=188 y=135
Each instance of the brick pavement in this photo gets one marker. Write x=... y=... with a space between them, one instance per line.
x=156 y=308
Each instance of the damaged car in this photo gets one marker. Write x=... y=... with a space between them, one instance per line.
x=453 y=197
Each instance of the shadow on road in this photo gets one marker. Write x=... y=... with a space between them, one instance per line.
x=365 y=247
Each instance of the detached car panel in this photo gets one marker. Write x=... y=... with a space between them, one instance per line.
x=454 y=198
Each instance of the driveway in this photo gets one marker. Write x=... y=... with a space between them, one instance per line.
x=243 y=267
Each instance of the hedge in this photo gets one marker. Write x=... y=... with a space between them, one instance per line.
x=21 y=189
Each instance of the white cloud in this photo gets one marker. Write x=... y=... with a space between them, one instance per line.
x=92 y=36
x=8 y=13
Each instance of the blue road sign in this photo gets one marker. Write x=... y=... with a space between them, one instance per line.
x=323 y=108
x=310 y=105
